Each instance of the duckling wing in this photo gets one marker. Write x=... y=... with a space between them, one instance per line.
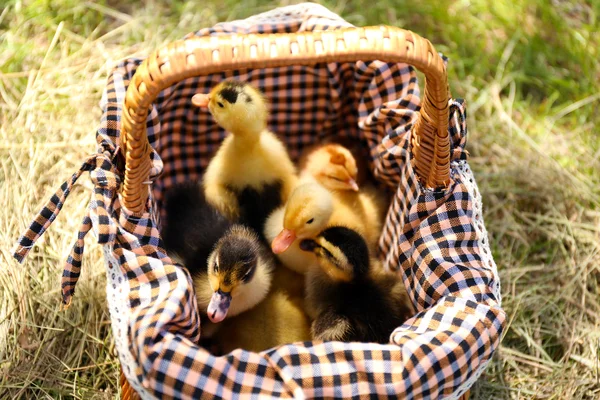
x=192 y=226
x=257 y=204
x=362 y=311
x=394 y=292
x=332 y=326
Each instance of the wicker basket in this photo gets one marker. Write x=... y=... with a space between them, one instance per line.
x=207 y=55
x=434 y=234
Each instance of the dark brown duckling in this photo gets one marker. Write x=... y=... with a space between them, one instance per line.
x=349 y=295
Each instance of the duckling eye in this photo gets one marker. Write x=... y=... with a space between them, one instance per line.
x=216 y=268
x=246 y=261
x=310 y=221
x=220 y=104
x=248 y=275
x=335 y=178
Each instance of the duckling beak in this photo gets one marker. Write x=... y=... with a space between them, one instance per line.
x=218 y=306
x=284 y=240
x=352 y=183
x=200 y=100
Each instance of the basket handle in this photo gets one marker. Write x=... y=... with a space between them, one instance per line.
x=206 y=55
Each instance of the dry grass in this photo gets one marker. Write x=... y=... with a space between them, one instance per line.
x=529 y=73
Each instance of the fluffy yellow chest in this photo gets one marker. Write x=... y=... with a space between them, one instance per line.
x=254 y=164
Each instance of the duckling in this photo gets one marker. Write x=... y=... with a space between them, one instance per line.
x=277 y=320
x=349 y=297
x=332 y=165
x=305 y=215
x=191 y=226
x=309 y=210
x=251 y=174
x=231 y=268
x=238 y=276
x=357 y=148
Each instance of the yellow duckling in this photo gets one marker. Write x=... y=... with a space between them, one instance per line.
x=348 y=295
x=359 y=157
x=251 y=174
x=306 y=213
x=275 y=321
x=332 y=165
x=309 y=210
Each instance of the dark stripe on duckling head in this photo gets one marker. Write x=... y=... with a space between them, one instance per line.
x=321 y=251
x=238 y=252
x=247 y=274
x=231 y=90
x=229 y=95
x=352 y=245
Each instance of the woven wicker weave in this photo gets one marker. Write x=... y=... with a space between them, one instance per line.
x=199 y=56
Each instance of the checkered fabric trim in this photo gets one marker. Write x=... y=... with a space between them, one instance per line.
x=429 y=237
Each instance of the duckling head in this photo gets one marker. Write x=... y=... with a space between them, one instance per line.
x=307 y=213
x=342 y=253
x=334 y=167
x=235 y=263
x=237 y=107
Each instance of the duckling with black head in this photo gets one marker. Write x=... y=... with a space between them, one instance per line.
x=238 y=276
x=231 y=268
x=349 y=295
x=251 y=174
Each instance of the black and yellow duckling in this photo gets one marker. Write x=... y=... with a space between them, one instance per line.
x=278 y=319
x=239 y=274
x=348 y=296
x=230 y=266
x=251 y=174
x=191 y=226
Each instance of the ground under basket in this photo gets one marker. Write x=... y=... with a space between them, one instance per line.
x=323 y=77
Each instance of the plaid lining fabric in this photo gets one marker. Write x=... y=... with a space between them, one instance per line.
x=428 y=237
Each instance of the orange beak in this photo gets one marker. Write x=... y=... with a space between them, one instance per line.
x=283 y=241
x=200 y=100
x=353 y=184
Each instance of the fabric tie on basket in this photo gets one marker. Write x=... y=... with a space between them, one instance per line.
x=106 y=184
x=106 y=181
x=102 y=213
